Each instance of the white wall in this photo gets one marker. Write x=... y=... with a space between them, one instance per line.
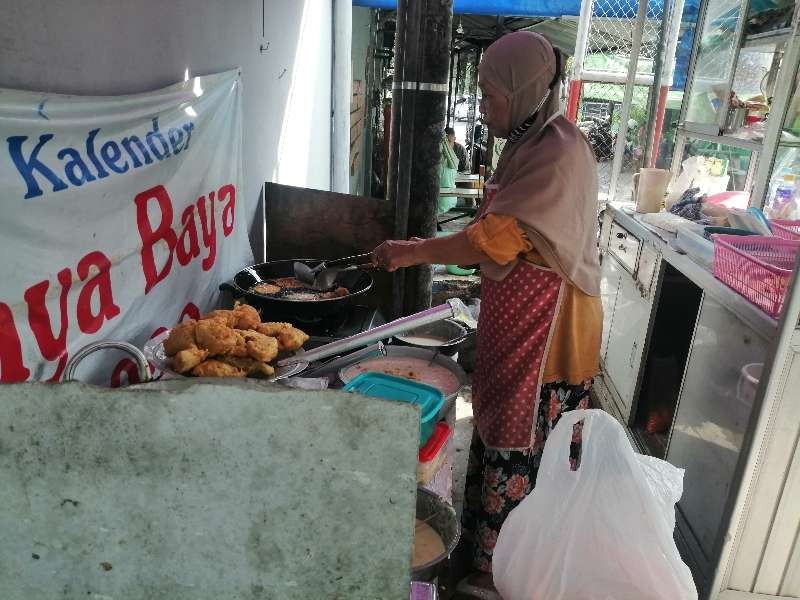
x=108 y=47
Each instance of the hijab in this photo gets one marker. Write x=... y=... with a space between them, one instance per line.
x=449 y=158
x=547 y=174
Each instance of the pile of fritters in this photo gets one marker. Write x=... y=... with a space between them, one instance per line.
x=230 y=343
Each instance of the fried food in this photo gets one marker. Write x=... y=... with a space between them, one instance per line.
x=240 y=349
x=230 y=343
x=247 y=317
x=291 y=339
x=273 y=329
x=217 y=368
x=339 y=292
x=227 y=317
x=186 y=360
x=180 y=338
x=250 y=366
x=260 y=347
x=266 y=289
x=289 y=283
x=215 y=337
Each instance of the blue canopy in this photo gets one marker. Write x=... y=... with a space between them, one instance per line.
x=540 y=8
x=572 y=8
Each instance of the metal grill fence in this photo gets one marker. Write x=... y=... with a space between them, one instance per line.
x=612 y=43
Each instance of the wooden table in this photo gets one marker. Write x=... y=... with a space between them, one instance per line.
x=461 y=192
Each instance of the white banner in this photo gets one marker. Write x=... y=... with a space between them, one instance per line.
x=120 y=217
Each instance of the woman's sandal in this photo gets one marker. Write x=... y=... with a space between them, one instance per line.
x=469 y=586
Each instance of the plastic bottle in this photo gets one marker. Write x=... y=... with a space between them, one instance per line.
x=784 y=193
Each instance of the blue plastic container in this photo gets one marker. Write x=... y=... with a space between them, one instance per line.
x=428 y=398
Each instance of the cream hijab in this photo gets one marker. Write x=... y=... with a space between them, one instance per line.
x=547 y=178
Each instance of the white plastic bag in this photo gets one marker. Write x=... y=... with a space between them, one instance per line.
x=695 y=174
x=603 y=532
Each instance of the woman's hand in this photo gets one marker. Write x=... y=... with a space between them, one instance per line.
x=396 y=254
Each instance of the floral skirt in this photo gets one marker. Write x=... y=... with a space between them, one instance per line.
x=498 y=480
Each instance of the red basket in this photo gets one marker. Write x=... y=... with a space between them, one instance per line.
x=758 y=267
x=788 y=230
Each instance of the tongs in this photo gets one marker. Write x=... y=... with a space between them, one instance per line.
x=323 y=276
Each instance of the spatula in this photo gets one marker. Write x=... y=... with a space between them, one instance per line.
x=323 y=276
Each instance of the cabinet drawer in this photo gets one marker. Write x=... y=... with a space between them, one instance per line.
x=648 y=266
x=625 y=246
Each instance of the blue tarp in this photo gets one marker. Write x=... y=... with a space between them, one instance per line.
x=539 y=8
x=564 y=8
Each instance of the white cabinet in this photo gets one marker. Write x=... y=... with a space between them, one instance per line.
x=609 y=286
x=626 y=339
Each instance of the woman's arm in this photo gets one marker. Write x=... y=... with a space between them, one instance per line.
x=454 y=249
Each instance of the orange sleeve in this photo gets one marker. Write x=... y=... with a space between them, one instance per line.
x=499 y=237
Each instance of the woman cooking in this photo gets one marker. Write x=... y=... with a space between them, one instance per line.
x=541 y=317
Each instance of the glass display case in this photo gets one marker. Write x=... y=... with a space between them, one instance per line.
x=741 y=102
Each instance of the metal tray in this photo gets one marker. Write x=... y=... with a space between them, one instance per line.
x=154 y=352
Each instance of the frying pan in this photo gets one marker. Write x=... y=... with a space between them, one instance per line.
x=357 y=281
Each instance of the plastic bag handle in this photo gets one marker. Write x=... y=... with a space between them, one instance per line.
x=555 y=458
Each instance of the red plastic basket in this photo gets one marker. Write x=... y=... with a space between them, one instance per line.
x=758 y=267
x=787 y=230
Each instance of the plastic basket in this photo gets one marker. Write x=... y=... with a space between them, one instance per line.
x=758 y=267
x=787 y=230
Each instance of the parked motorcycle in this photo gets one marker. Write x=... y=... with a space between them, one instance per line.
x=601 y=138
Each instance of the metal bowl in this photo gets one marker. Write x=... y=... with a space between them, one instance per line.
x=437 y=513
x=439 y=359
x=448 y=333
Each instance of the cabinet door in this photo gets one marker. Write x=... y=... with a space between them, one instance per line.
x=626 y=338
x=712 y=417
x=609 y=285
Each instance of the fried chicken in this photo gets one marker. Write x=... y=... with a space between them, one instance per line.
x=215 y=337
x=291 y=339
x=240 y=349
x=227 y=317
x=273 y=329
x=260 y=347
x=186 y=360
x=247 y=317
x=266 y=289
x=250 y=366
x=289 y=283
x=217 y=368
x=339 y=292
x=181 y=337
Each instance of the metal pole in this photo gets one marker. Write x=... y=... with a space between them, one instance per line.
x=474 y=92
x=436 y=28
x=627 y=99
x=655 y=110
x=582 y=40
x=370 y=108
x=341 y=92
x=450 y=87
x=424 y=29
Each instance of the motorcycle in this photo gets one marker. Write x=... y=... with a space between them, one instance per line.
x=601 y=138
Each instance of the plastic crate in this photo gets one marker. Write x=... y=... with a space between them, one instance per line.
x=787 y=230
x=758 y=267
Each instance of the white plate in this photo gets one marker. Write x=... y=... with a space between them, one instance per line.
x=154 y=352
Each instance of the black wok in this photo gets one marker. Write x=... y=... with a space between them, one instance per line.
x=358 y=282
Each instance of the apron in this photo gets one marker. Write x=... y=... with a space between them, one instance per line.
x=515 y=324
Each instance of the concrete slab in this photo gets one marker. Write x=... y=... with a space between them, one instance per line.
x=216 y=491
